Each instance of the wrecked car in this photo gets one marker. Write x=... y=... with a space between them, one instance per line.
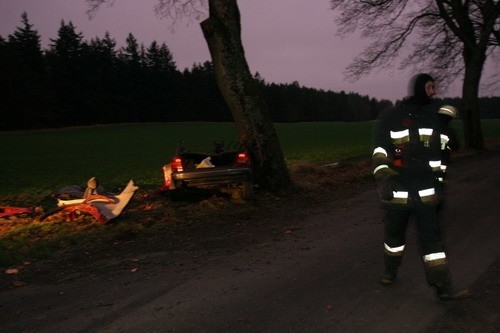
x=219 y=169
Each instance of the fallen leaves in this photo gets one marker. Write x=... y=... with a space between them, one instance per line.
x=12 y=271
x=18 y=283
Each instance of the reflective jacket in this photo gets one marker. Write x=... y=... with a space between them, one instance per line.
x=407 y=155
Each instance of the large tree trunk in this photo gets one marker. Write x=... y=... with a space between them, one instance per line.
x=473 y=134
x=253 y=121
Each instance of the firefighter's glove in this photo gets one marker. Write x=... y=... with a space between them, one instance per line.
x=385 y=177
x=384 y=189
x=439 y=191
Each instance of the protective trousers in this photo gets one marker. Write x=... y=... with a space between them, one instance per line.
x=429 y=241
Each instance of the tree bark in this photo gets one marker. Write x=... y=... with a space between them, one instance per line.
x=222 y=31
x=471 y=115
x=474 y=64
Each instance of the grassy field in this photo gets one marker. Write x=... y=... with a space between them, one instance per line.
x=39 y=162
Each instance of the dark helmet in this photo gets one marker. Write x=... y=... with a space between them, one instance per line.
x=416 y=89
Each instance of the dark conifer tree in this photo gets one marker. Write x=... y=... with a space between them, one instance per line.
x=202 y=99
x=162 y=83
x=132 y=96
x=66 y=65
x=101 y=78
x=23 y=78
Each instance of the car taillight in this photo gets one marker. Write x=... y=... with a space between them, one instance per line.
x=167 y=171
x=243 y=159
x=176 y=164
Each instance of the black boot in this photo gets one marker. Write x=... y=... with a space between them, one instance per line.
x=453 y=295
x=446 y=292
x=388 y=277
x=391 y=269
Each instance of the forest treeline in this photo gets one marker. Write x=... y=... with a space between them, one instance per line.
x=80 y=82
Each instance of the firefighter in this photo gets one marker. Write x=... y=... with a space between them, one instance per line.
x=407 y=167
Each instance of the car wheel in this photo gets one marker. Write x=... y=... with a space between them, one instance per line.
x=177 y=195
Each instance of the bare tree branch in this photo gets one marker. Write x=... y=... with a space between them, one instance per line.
x=179 y=9
x=94 y=6
x=175 y=10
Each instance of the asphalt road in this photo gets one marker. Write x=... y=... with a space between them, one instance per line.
x=321 y=276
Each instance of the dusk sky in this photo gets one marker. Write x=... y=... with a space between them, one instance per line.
x=284 y=40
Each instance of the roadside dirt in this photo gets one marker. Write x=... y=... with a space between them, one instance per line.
x=107 y=286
